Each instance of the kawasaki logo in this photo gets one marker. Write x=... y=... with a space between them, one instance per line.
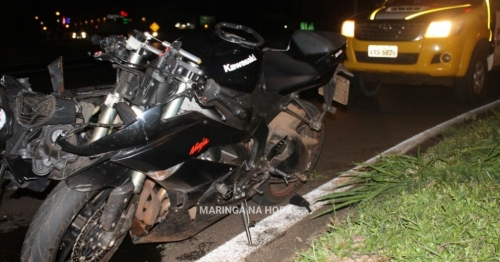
x=232 y=67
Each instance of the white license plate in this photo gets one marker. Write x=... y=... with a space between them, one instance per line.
x=341 y=93
x=390 y=51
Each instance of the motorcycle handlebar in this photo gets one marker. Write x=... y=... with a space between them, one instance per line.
x=96 y=40
x=152 y=49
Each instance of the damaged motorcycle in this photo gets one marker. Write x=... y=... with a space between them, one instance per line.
x=208 y=120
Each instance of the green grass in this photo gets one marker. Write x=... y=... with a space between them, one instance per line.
x=315 y=176
x=443 y=205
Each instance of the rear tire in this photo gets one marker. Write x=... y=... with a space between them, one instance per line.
x=471 y=88
x=274 y=194
x=59 y=222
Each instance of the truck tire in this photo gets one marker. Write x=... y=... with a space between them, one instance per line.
x=366 y=85
x=471 y=88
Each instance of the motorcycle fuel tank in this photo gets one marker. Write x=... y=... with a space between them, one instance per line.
x=230 y=65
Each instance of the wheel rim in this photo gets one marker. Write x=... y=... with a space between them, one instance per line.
x=74 y=232
x=478 y=78
x=280 y=189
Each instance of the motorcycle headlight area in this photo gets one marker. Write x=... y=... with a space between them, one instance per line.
x=35 y=109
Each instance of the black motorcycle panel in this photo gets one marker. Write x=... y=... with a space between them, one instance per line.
x=192 y=179
x=230 y=65
x=101 y=175
x=144 y=128
x=179 y=139
x=310 y=61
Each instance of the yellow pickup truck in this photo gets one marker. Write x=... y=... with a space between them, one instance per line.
x=434 y=42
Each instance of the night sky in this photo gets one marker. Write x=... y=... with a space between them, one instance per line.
x=76 y=7
x=17 y=16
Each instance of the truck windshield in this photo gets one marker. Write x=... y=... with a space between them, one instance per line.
x=432 y=2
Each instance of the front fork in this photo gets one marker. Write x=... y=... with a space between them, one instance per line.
x=115 y=219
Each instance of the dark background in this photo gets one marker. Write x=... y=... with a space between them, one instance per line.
x=18 y=24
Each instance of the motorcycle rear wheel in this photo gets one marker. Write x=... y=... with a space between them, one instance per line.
x=66 y=218
x=276 y=193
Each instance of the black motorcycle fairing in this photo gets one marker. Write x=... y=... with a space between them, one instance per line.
x=139 y=132
x=180 y=138
x=229 y=64
x=190 y=181
x=193 y=178
x=107 y=174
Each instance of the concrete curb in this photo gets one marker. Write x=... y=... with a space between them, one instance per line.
x=272 y=226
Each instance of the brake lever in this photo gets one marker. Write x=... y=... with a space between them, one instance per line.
x=101 y=56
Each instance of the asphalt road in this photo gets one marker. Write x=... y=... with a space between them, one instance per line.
x=365 y=127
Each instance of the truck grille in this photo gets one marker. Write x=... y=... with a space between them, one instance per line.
x=389 y=31
x=402 y=59
x=405 y=9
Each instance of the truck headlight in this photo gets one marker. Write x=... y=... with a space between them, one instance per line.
x=439 y=29
x=348 y=28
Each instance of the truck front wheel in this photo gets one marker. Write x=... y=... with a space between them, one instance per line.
x=365 y=84
x=471 y=88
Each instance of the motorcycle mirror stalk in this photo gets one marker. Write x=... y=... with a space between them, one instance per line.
x=56 y=75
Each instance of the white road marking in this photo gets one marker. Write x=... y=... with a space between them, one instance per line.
x=272 y=226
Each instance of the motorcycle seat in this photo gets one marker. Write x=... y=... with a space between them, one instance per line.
x=282 y=71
